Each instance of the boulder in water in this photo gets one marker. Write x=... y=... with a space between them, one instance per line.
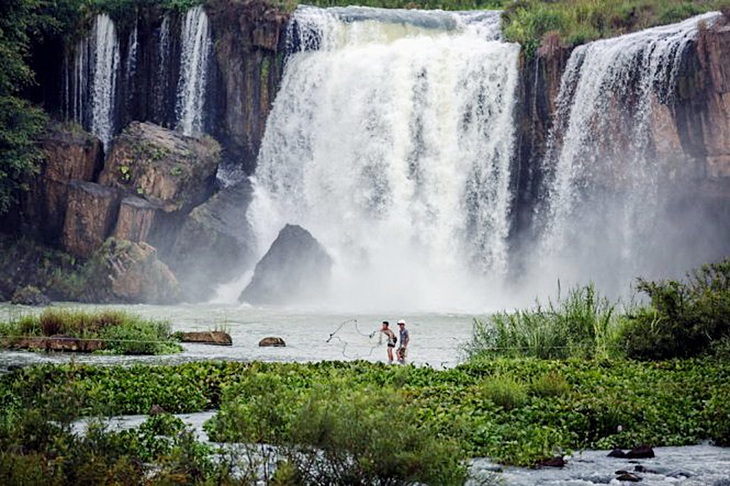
x=295 y=268
x=272 y=341
x=218 y=338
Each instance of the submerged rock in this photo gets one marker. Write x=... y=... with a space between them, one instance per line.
x=295 y=268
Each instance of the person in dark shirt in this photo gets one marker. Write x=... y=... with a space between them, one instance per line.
x=392 y=339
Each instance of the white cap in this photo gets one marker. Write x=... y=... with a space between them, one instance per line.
x=401 y=321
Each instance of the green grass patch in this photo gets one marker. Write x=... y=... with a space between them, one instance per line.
x=122 y=332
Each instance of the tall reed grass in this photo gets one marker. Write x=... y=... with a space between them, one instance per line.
x=583 y=324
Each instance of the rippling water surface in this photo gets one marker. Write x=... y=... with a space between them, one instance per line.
x=309 y=335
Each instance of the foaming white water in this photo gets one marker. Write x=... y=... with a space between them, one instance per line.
x=390 y=141
x=605 y=173
x=196 y=50
x=104 y=79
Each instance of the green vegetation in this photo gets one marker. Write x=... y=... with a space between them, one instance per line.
x=537 y=384
x=583 y=324
x=122 y=332
x=535 y=24
x=364 y=421
x=682 y=319
x=20 y=123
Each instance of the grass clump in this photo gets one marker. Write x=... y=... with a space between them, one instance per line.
x=550 y=384
x=504 y=391
x=583 y=324
x=122 y=332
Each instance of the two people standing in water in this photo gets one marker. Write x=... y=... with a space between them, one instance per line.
x=405 y=338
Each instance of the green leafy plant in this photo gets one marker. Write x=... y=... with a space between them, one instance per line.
x=683 y=318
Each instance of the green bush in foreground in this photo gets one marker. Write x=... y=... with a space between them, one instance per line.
x=684 y=318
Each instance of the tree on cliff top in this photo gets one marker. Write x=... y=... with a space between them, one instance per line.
x=20 y=122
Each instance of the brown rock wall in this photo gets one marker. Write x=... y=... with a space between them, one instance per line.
x=249 y=50
x=91 y=213
x=713 y=51
x=135 y=220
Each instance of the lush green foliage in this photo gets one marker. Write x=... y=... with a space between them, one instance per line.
x=123 y=333
x=535 y=23
x=666 y=403
x=684 y=318
x=584 y=324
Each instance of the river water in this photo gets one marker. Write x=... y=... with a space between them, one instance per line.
x=310 y=335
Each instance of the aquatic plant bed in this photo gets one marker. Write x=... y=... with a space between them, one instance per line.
x=107 y=331
x=514 y=411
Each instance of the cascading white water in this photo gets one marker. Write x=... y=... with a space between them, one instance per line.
x=131 y=61
x=104 y=79
x=605 y=177
x=79 y=83
x=390 y=140
x=196 y=50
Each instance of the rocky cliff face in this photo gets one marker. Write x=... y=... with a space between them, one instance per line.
x=249 y=51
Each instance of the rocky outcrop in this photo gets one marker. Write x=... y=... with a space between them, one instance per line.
x=162 y=166
x=713 y=51
x=54 y=343
x=128 y=272
x=90 y=215
x=29 y=295
x=70 y=154
x=214 y=244
x=296 y=268
x=538 y=91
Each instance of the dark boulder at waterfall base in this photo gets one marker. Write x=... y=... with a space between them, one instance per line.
x=296 y=268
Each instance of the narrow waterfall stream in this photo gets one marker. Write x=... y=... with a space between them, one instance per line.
x=104 y=79
x=197 y=48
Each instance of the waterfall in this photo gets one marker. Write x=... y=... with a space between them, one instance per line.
x=104 y=79
x=390 y=140
x=196 y=50
x=131 y=61
x=77 y=86
x=605 y=176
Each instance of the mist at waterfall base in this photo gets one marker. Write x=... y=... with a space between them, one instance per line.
x=392 y=137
